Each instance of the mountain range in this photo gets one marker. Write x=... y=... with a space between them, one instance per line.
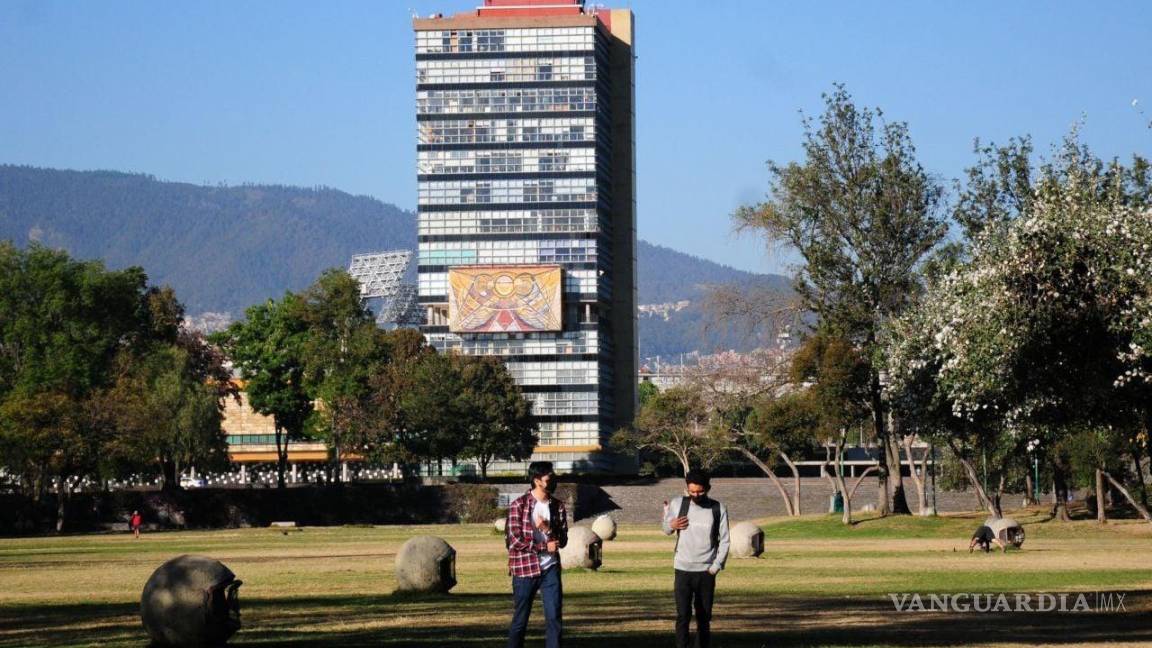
x=224 y=248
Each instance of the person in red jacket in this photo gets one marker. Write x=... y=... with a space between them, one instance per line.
x=535 y=531
x=135 y=523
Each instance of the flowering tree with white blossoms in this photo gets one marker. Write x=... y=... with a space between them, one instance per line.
x=1046 y=328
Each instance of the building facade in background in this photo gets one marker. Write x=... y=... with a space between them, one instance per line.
x=527 y=222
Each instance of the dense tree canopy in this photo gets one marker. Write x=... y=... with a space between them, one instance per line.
x=1045 y=329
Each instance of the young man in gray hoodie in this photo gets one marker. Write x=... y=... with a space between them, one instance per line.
x=701 y=525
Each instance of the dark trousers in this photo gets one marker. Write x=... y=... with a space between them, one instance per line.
x=694 y=592
x=523 y=592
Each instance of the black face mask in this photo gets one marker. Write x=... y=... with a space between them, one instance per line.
x=550 y=487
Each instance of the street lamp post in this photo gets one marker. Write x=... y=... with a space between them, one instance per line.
x=1033 y=447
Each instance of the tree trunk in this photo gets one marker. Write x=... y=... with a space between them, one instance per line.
x=825 y=470
x=169 y=479
x=1128 y=496
x=917 y=479
x=281 y=456
x=42 y=482
x=1060 y=492
x=483 y=469
x=1138 y=460
x=795 y=483
x=899 y=496
x=767 y=470
x=860 y=478
x=1101 y=512
x=973 y=479
x=883 y=494
x=998 y=500
x=846 y=518
x=61 y=505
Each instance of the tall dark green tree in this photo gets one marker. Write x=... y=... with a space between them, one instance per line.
x=268 y=347
x=377 y=426
x=165 y=413
x=863 y=216
x=62 y=322
x=497 y=416
x=343 y=348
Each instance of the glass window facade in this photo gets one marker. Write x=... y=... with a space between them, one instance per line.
x=550 y=69
x=505 y=40
x=431 y=102
x=534 y=221
x=542 y=161
x=517 y=130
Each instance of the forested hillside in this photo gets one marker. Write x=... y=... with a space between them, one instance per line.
x=221 y=248
x=224 y=248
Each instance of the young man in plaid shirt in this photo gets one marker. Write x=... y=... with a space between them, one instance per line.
x=536 y=529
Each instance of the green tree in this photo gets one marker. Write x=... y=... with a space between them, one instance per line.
x=1045 y=329
x=863 y=215
x=646 y=390
x=165 y=413
x=677 y=421
x=62 y=322
x=430 y=427
x=837 y=382
x=376 y=425
x=268 y=349
x=342 y=349
x=497 y=416
x=779 y=427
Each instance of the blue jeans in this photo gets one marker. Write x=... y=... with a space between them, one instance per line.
x=523 y=592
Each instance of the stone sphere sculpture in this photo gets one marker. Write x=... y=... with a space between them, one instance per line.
x=500 y=524
x=584 y=549
x=605 y=527
x=747 y=540
x=425 y=564
x=1007 y=531
x=191 y=601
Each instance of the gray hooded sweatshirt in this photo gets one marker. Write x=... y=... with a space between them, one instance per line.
x=695 y=552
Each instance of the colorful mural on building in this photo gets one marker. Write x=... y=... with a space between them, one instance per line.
x=504 y=299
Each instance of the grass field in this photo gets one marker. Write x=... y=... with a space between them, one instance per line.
x=819 y=583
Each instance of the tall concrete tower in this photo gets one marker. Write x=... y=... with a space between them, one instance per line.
x=527 y=210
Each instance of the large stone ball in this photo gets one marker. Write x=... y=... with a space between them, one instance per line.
x=191 y=601
x=1007 y=531
x=584 y=549
x=500 y=524
x=747 y=540
x=425 y=564
x=605 y=527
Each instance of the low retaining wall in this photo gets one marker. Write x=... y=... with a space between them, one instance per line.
x=204 y=508
x=208 y=508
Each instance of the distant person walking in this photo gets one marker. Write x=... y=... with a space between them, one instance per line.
x=701 y=525
x=535 y=531
x=134 y=523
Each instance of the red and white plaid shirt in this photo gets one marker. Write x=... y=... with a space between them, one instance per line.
x=523 y=550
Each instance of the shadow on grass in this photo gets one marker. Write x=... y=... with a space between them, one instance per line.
x=633 y=618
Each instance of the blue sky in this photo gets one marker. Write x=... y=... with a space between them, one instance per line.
x=321 y=93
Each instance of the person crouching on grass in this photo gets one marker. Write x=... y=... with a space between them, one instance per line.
x=701 y=527
x=984 y=537
x=535 y=531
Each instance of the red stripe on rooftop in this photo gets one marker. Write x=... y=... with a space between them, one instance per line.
x=531 y=8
